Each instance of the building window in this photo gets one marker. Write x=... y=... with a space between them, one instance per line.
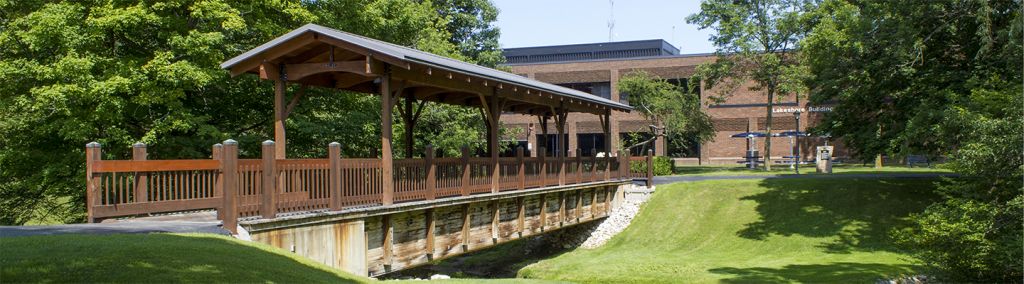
x=600 y=89
x=590 y=144
x=685 y=84
x=549 y=150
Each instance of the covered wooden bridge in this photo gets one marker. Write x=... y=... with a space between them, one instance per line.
x=375 y=215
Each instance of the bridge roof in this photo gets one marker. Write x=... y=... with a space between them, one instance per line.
x=321 y=56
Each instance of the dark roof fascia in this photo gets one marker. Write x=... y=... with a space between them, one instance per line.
x=614 y=59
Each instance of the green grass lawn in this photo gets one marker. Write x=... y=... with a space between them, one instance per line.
x=156 y=258
x=727 y=170
x=771 y=230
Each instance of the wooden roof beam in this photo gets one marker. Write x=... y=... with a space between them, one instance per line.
x=299 y=71
x=274 y=53
x=364 y=51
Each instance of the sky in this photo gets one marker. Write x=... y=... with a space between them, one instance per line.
x=556 y=22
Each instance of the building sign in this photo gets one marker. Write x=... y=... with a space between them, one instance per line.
x=800 y=109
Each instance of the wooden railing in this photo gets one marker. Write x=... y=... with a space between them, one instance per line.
x=238 y=187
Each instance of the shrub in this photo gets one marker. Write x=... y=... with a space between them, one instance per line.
x=662 y=166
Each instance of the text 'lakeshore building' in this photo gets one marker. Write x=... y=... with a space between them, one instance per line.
x=596 y=68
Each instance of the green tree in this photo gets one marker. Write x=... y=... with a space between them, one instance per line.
x=754 y=41
x=940 y=78
x=472 y=29
x=120 y=72
x=669 y=106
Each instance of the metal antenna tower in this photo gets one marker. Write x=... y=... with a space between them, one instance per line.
x=611 y=21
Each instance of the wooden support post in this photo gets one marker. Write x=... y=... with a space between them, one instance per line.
x=521 y=171
x=431 y=231
x=334 y=157
x=579 y=205
x=650 y=167
x=495 y=220
x=543 y=173
x=542 y=144
x=93 y=153
x=561 y=208
x=466 y=218
x=606 y=128
x=594 y=168
x=543 y=211
x=623 y=165
x=465 y=170
x=217 y=153
x=280 y=117
x=386 y=154
x=141 y=179
x=560 y=116
x=431 y=182
x=579 y=166
x=268 y=204
x=561 y=161
x=593 y=204
x=492 y=112
x=521 y=219
x=229 y=181
x=389 y=241
x=608 y=193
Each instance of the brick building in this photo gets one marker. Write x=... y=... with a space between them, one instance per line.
x=596 y=68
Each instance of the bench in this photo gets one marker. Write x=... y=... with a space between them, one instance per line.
x=918 y=159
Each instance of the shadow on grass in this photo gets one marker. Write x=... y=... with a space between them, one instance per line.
x=152 y=258
x=815 y=273
x=858 y=213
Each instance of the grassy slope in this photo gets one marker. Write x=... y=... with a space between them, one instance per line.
x=792 y=230
x=732 y=170
x=155 y=258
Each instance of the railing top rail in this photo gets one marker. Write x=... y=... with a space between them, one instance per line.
x=303 y=161
x=117 y=166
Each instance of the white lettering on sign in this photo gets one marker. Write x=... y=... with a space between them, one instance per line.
x=800 y=109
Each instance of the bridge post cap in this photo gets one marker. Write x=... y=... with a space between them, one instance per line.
x=139 y=145
x=93 y=144
x=230 y=142
x=268 y=142
x=218 y=145
x=332 y=144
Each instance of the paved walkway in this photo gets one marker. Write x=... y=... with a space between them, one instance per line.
x=191 y=222
x=689 y=178
x=141 y=227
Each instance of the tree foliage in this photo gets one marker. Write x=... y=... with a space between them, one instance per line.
x=120 y=72
x=669 y=106
x=754 y=41
x=942 y=78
